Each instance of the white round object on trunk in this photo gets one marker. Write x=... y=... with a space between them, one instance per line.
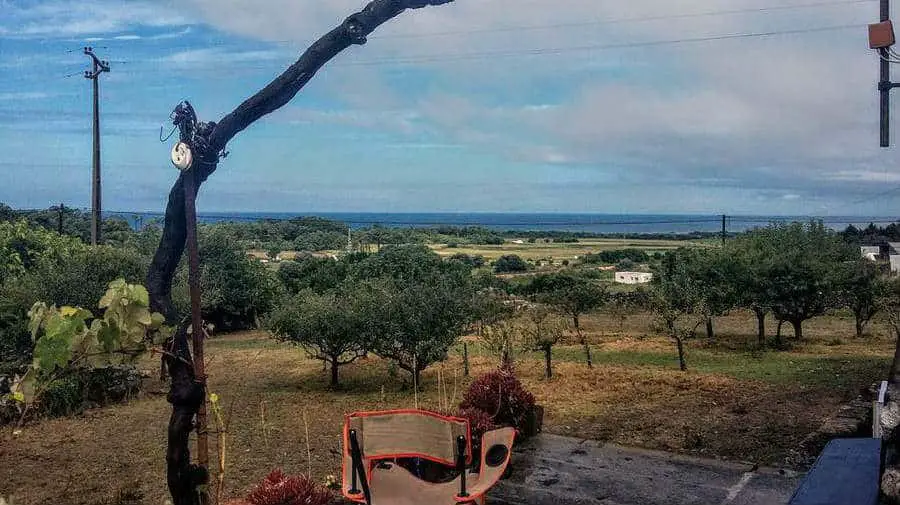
x=182 y=157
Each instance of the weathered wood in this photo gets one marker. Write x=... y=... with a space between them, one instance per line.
x=207 y=142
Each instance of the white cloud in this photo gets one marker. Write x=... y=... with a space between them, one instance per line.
x=24 y=95
x=792 y=114
x=57 y=18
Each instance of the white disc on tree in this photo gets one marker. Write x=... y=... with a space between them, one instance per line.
x=182 y=157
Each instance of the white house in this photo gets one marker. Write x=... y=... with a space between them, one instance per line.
x=637 y=277
x=869 y=252
x=895 y=264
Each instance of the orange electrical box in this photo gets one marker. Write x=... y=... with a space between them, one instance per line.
x=881 y=35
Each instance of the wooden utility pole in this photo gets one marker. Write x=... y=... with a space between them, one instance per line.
x=99 y=66
x=724 y=231
x=197 y=335
x=884 y=82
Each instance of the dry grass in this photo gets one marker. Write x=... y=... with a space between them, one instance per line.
x=731 y=404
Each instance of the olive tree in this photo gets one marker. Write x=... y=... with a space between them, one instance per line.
x=541 y=330
x=859 y=290
x=332 y=327
x=676 y=299
x=572 y=296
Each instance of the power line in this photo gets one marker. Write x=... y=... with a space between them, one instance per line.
x=559 y=50
x=430 y=58
x=623 y=20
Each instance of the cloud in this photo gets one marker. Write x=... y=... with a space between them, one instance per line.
x=56 y=18
x=788 y=114
x=24 y=95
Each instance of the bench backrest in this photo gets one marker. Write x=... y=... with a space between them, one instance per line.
x=408 y=434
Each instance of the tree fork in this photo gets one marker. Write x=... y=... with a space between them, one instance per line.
x=185 y=393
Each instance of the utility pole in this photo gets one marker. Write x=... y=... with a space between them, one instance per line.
x=884 y=82
x=724 y=231
x=99 y=66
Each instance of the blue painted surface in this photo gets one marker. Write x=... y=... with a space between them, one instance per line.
x=847 y=472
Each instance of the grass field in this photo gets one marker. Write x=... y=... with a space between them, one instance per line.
x=539 y=250
x=733 y=403
x=560 y=251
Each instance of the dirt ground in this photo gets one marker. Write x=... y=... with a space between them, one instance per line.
x=732 y=404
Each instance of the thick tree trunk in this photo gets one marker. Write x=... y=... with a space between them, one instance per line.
x=584 y=344
x=798 y=329
x=548 y=357
x=334 y=371
x=760 y=327
x=680 y=345
x=206 y=142
x=709 y=328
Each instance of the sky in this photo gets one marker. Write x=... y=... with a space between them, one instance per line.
x=602 y=106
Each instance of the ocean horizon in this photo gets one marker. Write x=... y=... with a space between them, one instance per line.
x=517 y=221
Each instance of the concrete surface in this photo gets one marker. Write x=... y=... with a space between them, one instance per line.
x=554 y=470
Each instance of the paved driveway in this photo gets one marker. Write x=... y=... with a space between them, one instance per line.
x=554 y=470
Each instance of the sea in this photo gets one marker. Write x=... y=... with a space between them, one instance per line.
x=589 y=223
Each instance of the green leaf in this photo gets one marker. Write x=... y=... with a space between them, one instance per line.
x=157 y=320
x=107 y=336
x=140 y=295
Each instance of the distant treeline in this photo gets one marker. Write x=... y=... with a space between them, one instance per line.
x=318 y=234
x=872 y=234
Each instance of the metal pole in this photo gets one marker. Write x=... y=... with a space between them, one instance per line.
x=95 y=178
x=884 y=84
x=197 y=336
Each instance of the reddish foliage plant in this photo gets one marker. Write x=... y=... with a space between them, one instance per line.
x=281 y=489
x=501 y=396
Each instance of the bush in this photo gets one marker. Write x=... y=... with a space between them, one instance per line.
x=236 y=290
x=625 y=265
x=317 y=274
x=480 y=422
x=473 y=261
x=501 y=396
x=510 y=263
x=15 y=339
x=281 y=489
x=81 y=278
x=616 y=255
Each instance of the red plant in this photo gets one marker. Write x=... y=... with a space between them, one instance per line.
x=281 y=489
x=501 y=396
x=480 y=422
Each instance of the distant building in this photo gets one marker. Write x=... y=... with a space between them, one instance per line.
x=638 y=277
x=518 y=241
x=870 y=252
x=895 y=264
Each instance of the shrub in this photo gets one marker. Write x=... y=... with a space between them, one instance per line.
x=473 y=261
x=510 y=263
x=480 y=422
x=235 y=289
x=280 y=489
x=502 y=396
x=79 y=279
x=15 y=340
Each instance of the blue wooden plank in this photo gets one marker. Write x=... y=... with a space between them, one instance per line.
x=847 y=472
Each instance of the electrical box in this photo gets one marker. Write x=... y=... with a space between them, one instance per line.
x=881 y=35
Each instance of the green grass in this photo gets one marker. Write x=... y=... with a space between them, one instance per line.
x=780 y=368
